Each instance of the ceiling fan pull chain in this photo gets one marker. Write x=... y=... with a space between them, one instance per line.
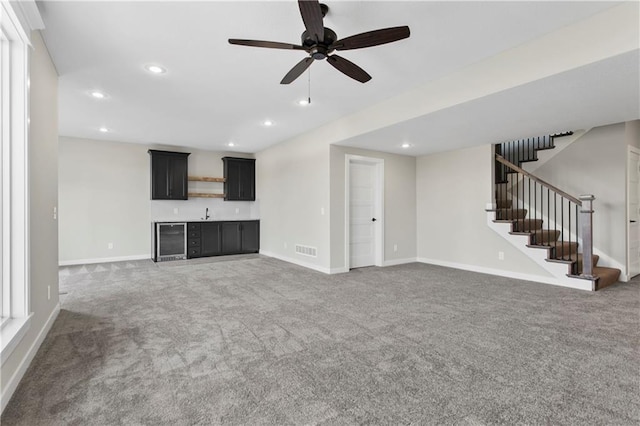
x=309 y=90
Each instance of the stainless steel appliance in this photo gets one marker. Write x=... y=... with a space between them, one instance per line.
x=171 y=241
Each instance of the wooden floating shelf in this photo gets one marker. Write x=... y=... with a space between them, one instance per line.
x=205 y=179
x=204 y=195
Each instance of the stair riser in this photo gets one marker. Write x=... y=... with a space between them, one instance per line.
x=544 y=237
x=511 y=214
x=504 y=204
x=564 y=251
x=526 y=225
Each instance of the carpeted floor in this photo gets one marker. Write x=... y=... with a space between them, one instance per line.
x=258 y=341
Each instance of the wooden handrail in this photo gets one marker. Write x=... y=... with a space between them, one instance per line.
x=512 y=166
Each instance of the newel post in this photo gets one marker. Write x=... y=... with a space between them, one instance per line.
x=586 y=214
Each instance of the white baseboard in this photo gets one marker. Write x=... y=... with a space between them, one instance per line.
x=498 y=272
x=300 y=263
x=12 y=383
x=394 y=262
x=340 y=270
x=103 y=260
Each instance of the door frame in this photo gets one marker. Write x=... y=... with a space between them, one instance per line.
x=630 y=150
x=379 y=207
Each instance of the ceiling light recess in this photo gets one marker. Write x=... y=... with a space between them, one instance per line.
x=103 y=130
x=268 y=123
x=97 y=94
x=231 y=144
x=406 y=145
x=155 y=69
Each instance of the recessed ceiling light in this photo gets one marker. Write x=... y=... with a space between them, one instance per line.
x=98 y=94
x=103 y=129
x=155 y=69
x=268 y=123
x=231 y=144
x=303 y=102
x=406 y=145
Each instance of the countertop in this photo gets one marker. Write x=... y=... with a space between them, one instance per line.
x=173 y=220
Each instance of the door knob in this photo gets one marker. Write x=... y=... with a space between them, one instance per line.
x=373 y=219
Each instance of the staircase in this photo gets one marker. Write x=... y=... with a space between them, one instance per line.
x=551 y=226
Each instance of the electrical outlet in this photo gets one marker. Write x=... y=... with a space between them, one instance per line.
x=322 y=211
x=237 y=210
x=110 y=246
x=285 y=245
x=55 y=212
x=175 y=211
x=48 y=292
x=395 y=247
x=500 y=255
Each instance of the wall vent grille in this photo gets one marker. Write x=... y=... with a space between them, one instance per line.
x=306 y=250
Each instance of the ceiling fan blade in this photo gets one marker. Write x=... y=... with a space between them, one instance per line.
x=372 y=38
x=312 y=17
x=348 y=68
x=269 y=44
x=297 y=70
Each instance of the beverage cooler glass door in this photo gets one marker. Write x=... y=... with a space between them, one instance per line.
x=171 y=241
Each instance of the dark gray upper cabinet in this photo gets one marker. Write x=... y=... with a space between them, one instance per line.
x=169 y=175
x=240 y=179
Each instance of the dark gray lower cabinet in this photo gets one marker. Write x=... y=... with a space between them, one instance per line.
x=231 y=237
x=250 y=236
x=220 y=238
x=211 y=244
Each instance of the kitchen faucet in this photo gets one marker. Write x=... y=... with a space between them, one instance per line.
x=206 y=214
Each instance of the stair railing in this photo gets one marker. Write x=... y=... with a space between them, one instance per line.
x=530 y=199
x=523 y=150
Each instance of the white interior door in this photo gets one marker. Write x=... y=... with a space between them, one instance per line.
x=633 y=204
x=362 y=214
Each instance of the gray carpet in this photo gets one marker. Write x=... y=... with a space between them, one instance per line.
x=259 y=341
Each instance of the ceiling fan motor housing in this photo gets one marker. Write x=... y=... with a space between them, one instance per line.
x=319 y=50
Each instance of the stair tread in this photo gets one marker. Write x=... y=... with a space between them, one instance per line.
x=574 y=258
x=556 y=244
x=606 y=276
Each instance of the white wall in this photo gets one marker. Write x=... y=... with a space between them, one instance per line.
x=43 y=176
x=292 y=181
x=632 y=133
x=399 y=205
x=596 y=164
x=105 y=198
x=452 y=191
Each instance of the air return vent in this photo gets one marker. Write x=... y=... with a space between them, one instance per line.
x=306 y=250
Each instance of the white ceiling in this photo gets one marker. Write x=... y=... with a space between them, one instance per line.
x=214 y=93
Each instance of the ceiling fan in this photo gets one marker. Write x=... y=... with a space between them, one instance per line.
x=320 y=42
